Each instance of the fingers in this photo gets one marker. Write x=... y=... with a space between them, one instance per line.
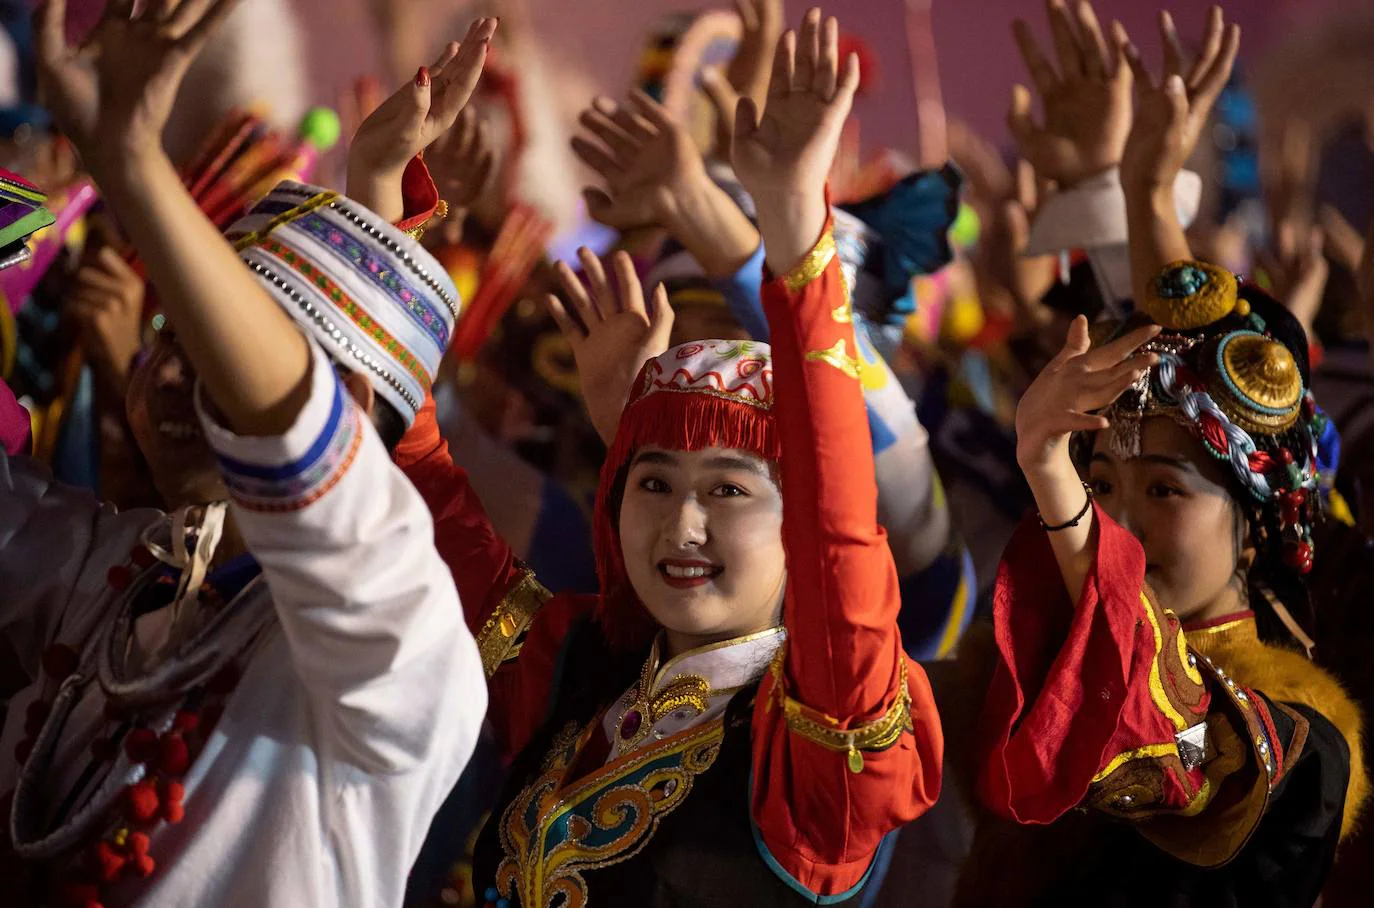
x=623 y=145
x=661 y=316
x=1144 y=82
x=52 y=38
x=1096 y=59
x=1027 y=186
x=849 y=81
x=748 y=15
x=1109 y=355
x=1071 y=63
x=599 y=205
x=1041 y=73
x=826 y=79
x=784 y=65
x=1211 y=82
x=631 y=291
x=1173 y=48
x=446 y=56
x=651 y=111
x=1211 y=48
x=459 y=78
x=721 y=93
x=808 y=51
x=604 y=300
x=1343 y=242
x=746 y=119
x=1076 y=343
x=596 y=158
x=1083 y=422
x=566 y=323
x=1023 y=128
x=575 y=292
x=195 y=20
x=1127 y=371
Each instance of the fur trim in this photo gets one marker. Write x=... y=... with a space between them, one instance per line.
x=1289 y=677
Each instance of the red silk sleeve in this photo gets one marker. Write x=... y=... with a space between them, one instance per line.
x=419 y=195
x=818 y=821
x=516 y=625
x=1079 y=692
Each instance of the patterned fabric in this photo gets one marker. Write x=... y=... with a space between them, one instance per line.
x=273 y=486
x=738 y=369
x=371 y=295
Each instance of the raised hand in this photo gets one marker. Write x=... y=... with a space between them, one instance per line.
x=783 y=157
x=1079 y=380
x=747 y=75
x=1086 y=102
x=611 y=330
x=648 y=162
x=107 y=306
x=1172 y=111
x=1006 y=204
x=461 y=162
x=112 y=96
x=1297 y=270
x=410 y=120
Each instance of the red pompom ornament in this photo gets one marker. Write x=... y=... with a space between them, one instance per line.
x=140 y=862
x=173 y=757
x=107 y=862
x=143 y=802
x=1298 y=555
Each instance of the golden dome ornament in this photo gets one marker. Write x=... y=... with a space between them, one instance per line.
x=1188 y=295
x=1257 y=382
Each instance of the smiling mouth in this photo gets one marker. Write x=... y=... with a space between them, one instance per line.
x=684 y=574
x=181 y=431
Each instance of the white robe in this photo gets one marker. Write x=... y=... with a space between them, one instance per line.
x=358 y=707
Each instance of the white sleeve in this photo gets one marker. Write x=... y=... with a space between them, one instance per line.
x=57 y=544
x=369 y=610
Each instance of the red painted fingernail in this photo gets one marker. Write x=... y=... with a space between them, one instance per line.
x=422 y=77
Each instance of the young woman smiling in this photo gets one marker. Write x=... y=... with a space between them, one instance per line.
x=733 y=717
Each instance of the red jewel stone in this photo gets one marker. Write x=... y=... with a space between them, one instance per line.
x=60 y=661
x=1299 y=496
x=142 y=558
x=630 y=724
x=1285 y=455
x=186 y=721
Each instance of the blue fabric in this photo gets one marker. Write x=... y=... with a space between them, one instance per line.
x=560 y=548
x=743 y=292
x=912 y=220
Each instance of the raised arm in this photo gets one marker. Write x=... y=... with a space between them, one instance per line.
x=112 y=98
x=847 y=745
x=1171 y=114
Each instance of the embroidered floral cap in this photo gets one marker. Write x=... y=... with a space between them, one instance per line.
x=703 y=394
x=372 y=296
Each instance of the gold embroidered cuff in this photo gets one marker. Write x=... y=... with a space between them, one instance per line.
x=824 y=730
x=499 y=638
x=814 y=264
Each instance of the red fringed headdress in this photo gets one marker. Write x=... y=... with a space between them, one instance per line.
x=704 y=394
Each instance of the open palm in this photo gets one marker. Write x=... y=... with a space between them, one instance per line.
x=791 y=147
x=116 y=92
x=644 y=157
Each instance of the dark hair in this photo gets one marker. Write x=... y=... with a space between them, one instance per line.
x=388 y=422
x=386 y=419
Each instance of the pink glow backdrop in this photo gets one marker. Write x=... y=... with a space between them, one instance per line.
x=597 y=42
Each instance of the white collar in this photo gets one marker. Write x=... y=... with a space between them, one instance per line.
x=725 y=666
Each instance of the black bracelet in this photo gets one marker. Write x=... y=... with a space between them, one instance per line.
x=1087 y=506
